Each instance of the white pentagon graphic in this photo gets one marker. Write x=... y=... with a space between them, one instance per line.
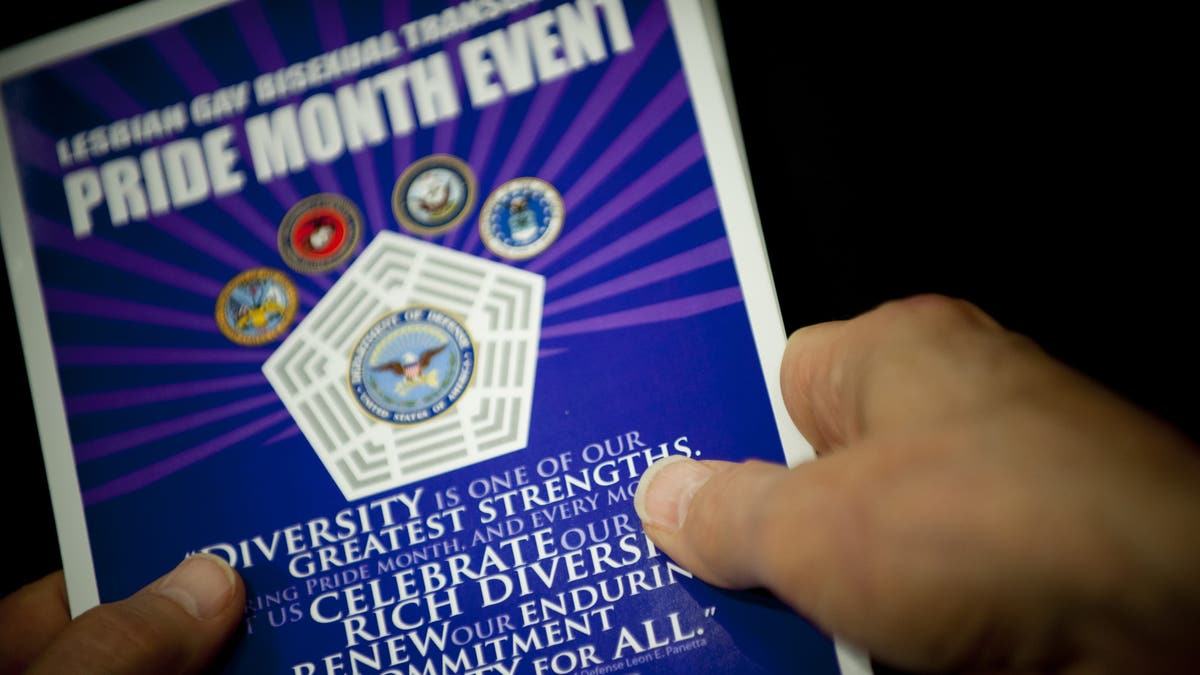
x=501 y=308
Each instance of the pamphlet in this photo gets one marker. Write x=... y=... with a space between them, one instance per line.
x=389 y=305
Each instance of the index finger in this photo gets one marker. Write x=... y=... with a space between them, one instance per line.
x=30 y=618
x=906 y=362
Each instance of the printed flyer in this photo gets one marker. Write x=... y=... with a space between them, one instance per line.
x=390 y=304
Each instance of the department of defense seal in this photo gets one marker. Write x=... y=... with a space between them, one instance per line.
x=411 y=365
x=256 y=306
x=319 y=232
x=434 y=194
x=521 y=218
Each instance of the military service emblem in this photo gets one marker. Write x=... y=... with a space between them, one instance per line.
x=412 y=365
x=256 y=306
x=521 y=218
x=319 y=233
x=433 y=195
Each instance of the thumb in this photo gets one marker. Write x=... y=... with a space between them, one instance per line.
x=748 y=524
x=178 y=624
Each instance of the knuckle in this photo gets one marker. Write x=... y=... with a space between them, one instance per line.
x=124 y=633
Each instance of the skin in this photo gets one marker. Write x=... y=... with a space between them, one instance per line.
x=168 y=627
x=976 y=506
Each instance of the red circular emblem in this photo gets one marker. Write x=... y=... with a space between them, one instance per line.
x=319 y=233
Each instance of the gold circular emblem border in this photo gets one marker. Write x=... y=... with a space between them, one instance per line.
x=538 y=246
x=257 y=273
x=354 y=221
x=363 y=333
x=410 y=173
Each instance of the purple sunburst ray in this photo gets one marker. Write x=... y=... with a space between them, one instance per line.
x=331 y=32
x=264 y=50
x=202 y=239
x=245 y=214
x=544 y=103
x=187 y=65
x=679 y=160
x=190 y=68
x=402 y=157
x=670 y=310
x=34 y=145
x=93 y=82
x=282 y=190
x=649 y=30
x=60 y=237
x=653 y=116
x=364 y=167
x=114 y=443
x=326 y=178
x=118 y=399
x=683 y=214
x=677 y=265
x=481 y=150
x=444 y=134
x=99 y=355
x=60 y=301
x=396 y=14
x=95 y=85
x=283 y=435
x=159 y=470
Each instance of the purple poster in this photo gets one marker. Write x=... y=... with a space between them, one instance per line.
x=390 y=304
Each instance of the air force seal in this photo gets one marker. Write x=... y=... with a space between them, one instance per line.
x=319 y=232
x=521 y=218
x=412 y=365
x=433 y=195
x=256 y=306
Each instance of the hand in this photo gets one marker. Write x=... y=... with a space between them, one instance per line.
x=178 y=624
x=975 y=504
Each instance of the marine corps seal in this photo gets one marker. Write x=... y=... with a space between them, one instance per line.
x=411 y=365
x=521 y=218
x=433 y=195
x=256 y=306
x=319 y=232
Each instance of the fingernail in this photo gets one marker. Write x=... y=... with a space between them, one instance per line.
x=666 y=488
x=201 y=585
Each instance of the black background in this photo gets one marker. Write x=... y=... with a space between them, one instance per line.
x=1029 y=160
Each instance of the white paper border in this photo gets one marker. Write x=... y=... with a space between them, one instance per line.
x=66 y=499
x=707 y=72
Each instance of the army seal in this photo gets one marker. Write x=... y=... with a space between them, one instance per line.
x=256 y=306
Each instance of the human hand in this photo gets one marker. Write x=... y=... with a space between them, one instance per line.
x=976 y=505
x=178 y=624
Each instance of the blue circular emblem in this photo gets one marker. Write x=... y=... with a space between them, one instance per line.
x=521 y=218
x=412 y=365
x=434 y=194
